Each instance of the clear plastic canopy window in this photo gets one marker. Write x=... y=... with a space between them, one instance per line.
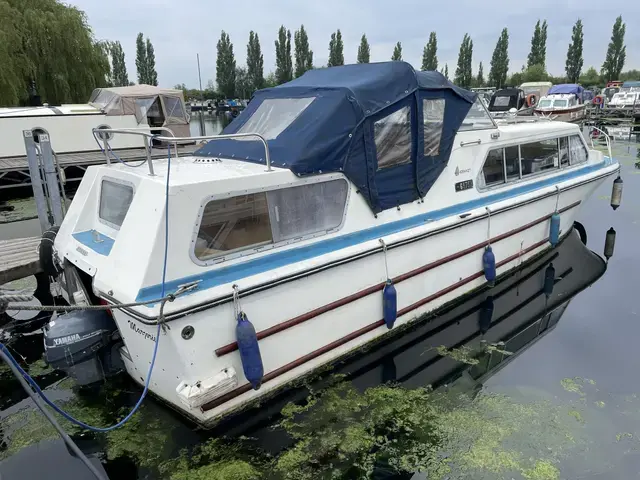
x=392 y=136
x=274 y=115
x=477 y=119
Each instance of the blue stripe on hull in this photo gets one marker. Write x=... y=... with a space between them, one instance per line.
x=222 y=275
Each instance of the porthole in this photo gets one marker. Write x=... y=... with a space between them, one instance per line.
x=104 y=135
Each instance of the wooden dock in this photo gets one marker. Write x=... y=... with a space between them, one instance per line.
x=14 y=171
x=19 y=259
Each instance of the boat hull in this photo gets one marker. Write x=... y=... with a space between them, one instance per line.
x=568 y=115
x=307 y=320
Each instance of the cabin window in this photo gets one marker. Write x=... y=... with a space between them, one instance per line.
x=564 y=151
x=545 y=103
x=512 y=162
x=233 y=224
x=274 y=115
x=579 y=152
x=307 y=209
x=501 y=101
x=254 y=220
x=392 y=136
x=433 y=118
x=536 y=157
x=493 y=170
x=477 y=118
x=115 y=199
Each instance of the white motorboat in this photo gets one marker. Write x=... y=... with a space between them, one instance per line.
x=142 y=107
x=335 y=208
x=625 y=99
x=563 y=103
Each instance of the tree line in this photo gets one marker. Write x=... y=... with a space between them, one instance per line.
x=145 y=63
x=233 y=80
x=48 y=48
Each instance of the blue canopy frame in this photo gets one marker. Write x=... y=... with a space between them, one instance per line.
x=335 y=132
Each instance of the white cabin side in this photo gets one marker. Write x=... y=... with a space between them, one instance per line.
x=126 y=260
x=69 y=128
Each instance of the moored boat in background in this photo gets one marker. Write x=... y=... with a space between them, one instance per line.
x=70 y=127
x=563 y=103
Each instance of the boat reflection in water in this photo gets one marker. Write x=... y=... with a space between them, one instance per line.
x=518 y=311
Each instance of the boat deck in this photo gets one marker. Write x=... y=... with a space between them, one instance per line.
x=14 y=171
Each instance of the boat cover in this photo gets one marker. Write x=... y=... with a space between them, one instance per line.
x=631 y=83
x=567 y=88
x=328 y=124
x=506 y=99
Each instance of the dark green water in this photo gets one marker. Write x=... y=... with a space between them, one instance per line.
x=544 y=387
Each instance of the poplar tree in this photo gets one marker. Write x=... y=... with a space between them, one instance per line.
x=464 y=72
x=119 y=68
x=500 y=61
x=225 y=66
x=616 y=52
x=152 y=75
x=538 y=53
x=284 y=66
x=304 y=55
x=429 y=54
x=336 y=50
x=141 y=59
x=397 y=52
x=255 y=63
x=364 y=52
x=573 y=65
x=480 y=77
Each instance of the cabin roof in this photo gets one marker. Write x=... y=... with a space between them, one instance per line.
x=191 y=170
x=68 y=109
x=535 y=128
x=325 y=121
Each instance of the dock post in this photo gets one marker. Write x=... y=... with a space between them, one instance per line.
x=51 y=177
x=36 y=180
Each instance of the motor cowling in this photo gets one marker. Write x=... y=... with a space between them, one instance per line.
x=84 y=344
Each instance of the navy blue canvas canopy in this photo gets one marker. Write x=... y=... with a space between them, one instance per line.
x=334 y=127
x=567 y=88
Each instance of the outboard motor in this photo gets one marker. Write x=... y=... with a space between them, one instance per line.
x=84 y=344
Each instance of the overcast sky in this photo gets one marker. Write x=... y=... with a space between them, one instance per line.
x=181 y=29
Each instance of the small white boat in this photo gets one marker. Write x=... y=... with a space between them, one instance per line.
x=563 y=103
x=368 y=196
x=70 y=127
x=625 y=99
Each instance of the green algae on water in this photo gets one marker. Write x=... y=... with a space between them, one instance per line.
x=216 y=459
x=39 y=368
x=342 y=433
x=463 y=354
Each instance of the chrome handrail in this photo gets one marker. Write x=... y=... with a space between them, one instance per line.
x=175 y=140
x=607 y=138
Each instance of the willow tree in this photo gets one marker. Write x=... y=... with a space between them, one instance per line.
x=50 y=44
